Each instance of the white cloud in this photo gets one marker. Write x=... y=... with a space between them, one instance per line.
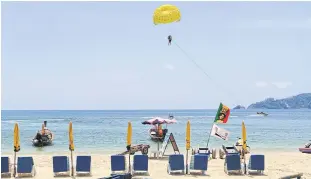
x=261 y=84
x=282 y=85
x=169 y=67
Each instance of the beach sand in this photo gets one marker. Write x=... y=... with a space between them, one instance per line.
x=277 y=164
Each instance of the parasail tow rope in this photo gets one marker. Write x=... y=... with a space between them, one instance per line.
x=230 y=94
x=194 y=62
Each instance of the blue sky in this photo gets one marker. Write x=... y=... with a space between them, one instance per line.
x=109 y=55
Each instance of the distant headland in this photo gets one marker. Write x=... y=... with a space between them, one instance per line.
x=301 y=101
x=239 y=107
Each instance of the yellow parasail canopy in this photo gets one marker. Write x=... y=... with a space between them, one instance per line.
x=129 y=134
x=166 y=14
x=71 y=145
x=16 y=138
x=188 y=136
x=244 y=136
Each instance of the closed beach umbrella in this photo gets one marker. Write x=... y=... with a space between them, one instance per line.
x=244 y=144
x=16 y=145
x=244 y=136
x=187 y=143
x=129 y=142
x=16 y=138
x=188 y=136
x=129 y=134
x=71 y=145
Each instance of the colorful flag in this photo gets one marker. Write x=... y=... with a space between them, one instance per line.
x=219 y=132
x=223 y=114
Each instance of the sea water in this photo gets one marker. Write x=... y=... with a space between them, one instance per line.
x=105 y=131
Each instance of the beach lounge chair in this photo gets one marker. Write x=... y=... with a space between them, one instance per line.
x=61 y=166
x=83 y=166
x=176 y=163
x=232 y=164
x=25 y=166
x=256 y=163
x=5 y=167
x=118 y=164
x=199 y=162
x=140 y=164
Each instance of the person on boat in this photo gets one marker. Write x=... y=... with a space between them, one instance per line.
x=39 y=136
x=46 y=130
x=308 y=145
x=48 y=133
x=169 y=39
x=160 y=131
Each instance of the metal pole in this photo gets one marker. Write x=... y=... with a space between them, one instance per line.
x=158 y=153
x=187 y=162
x=14 y=174
x=72 y=164
x=130 y=161
x=244 y=161
x=129 y=152
x=209 y=136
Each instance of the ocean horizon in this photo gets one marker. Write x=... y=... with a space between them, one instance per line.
x=104 y=131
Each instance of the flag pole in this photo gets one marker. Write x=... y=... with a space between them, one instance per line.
x=209 y=136
x=212 y=127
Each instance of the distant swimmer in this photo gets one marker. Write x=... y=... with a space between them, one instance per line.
x=169 y=39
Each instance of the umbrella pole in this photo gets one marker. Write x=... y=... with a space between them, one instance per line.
x=71 y=164
x=130 y=161
x=158 y=153
x=187 y=162
x=14 y=174
x=244 y=161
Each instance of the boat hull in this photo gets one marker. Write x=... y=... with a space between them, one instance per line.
x=305 y=150
x=156 y=138
x=37 y=143
x=46 y=140
x=262 y=114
